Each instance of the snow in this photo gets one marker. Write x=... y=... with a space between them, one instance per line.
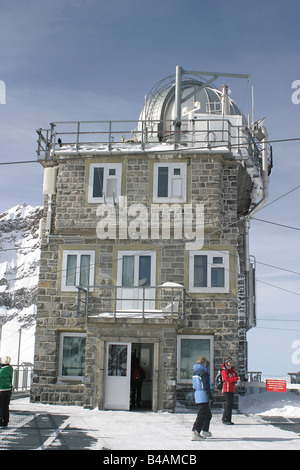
x=136 y=430
x=20 y=211
x=19 y=271
x=272 y=404
x=20 y=253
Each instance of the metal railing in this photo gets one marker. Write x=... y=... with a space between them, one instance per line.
x=77 y=137
x=22 y=376
x=145 y=302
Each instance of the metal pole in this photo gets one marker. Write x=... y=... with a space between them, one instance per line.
x=18 y=362
x=177 y=121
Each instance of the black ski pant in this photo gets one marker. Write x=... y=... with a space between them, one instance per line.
x=203 y=418
x=229 y=397
x=4 y=407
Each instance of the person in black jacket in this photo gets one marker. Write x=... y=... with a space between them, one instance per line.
x=137 y=377
x=6 y=374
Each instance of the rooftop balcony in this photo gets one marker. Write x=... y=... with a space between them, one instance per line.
x=199 y=132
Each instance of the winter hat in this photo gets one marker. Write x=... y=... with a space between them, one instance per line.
x=228 y=359
x=5 y=360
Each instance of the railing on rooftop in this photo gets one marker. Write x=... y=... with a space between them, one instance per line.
x=81 y=137
x=143 y=302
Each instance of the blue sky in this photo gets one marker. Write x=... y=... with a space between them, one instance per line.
x=95 y=60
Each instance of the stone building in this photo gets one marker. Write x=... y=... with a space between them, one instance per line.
x=145 y=247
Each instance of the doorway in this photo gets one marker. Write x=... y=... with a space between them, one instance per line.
x=120 y=358
x=143 y=354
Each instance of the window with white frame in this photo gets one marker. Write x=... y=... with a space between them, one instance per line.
x=136 y=268
x=136 y=274
x=78 y=269
x=72 y=356
x=104 y=182
x=169 y=182
x=189 y=348
x=209 y=271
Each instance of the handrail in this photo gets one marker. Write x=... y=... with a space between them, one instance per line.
x=172 y=300
x=22 y=376
x=208 y=132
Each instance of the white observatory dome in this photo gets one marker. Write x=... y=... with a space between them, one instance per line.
x=159 y=110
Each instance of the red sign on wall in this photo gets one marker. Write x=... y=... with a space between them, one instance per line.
x=275 y=385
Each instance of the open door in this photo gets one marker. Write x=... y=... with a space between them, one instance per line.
x=117 y=374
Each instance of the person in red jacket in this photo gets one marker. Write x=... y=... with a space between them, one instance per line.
x=230 y=378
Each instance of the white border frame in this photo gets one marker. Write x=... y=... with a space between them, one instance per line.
x=64 y=378
x=66 y=288
x=106 y=167
x=170 y=165
x=211 y=360
x=210 y=254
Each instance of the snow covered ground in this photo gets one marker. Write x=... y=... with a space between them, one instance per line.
x=128 y=430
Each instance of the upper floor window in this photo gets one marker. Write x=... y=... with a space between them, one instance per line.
x=104 y=182
x=78 y=269
x=209 y=271
x=169 y=182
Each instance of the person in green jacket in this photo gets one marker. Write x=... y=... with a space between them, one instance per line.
x=6 y=373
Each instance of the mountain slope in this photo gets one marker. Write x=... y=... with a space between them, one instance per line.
x=19 y=268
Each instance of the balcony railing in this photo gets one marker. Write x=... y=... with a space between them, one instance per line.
x=83 y=137
x=22 y=376
x=166 y=302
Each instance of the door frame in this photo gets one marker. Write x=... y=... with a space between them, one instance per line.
x=117 y=387
x=103 y=402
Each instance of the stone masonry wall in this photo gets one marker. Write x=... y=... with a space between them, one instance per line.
x=213 y=182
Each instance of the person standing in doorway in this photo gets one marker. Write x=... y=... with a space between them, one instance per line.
x=6 y=373
x=137 y=377
x=230 y=378
x=203 y=396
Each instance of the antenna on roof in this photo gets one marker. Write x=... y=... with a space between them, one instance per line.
x=252 y=105
x=178 y=98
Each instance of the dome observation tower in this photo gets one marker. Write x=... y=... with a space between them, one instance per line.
x=191 y=112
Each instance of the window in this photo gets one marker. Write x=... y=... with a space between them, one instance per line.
x=136 y=274
x=72 y=356
x=208 y=271
x=169 y=183
x=104 y=182
x=78 y=269
x=189 y=348
x=136 y=268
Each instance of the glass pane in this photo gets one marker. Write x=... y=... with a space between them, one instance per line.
x=145 y=271
x=191 y=349
x=84 y=270
x=111 y=187
x=176 y=187
x=128 y=271
x=73 y=356
x=71 y=270
x=200 y=271
x=217 y=260
x=162 y=190
x=117 y=360
x=98 y=182
x=217 y=277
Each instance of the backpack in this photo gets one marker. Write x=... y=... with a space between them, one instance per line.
x=219 y=380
